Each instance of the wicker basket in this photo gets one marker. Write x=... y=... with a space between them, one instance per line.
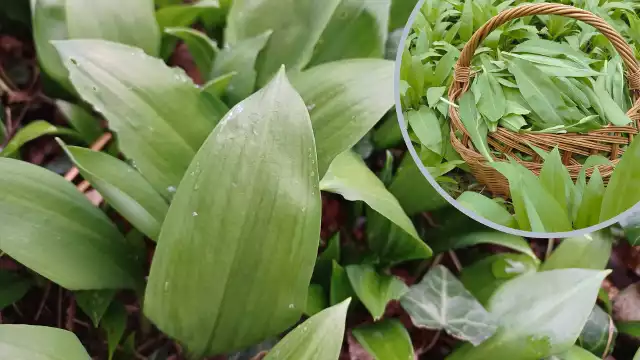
x=606 y=140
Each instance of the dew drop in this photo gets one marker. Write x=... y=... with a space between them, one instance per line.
x=291 y=306
x=166 y=286
x=95 y=89
x=171 y=189
x=311 y=107
x=194 y=214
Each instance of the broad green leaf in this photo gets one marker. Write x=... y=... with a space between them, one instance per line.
x=557 y=67
x=297 y=26
x=390 y=243
x=387 y=135
x=434 y=94
x=539 y=91
x=493 y=103
x=357 y=29
x=486 y=275
x=487 y=208
x=413 y=191
x=621 y=193
x=575 y=353
x=596 y=333
x=631 y=328
x=591 y=204
x=555 y=178
x=50 y=227
x=552 y=49
x=444 y=69
x=218 y=86
x=426 y=126
x=234 y=208
x=540 y=314
x=374 y=289
x=466 y=20
x=340 y=285
x=400 y=11
x=128 y=22
x=145 y=103
x=184 y=15
x=114 y=324
x=589 y=251
x=12 y=288
x=316 y=300
x=440 y=301
x=122 y=187
x=471 y=238
x=202 y=49
x=30 y=132
x=318 y=338
x=39 y=343
x=474 y=125
x=345 y=105
x=387 y=340
x=87 y=125
x=241 y=59
x=614 y=114
x=350 y=177
x=324 y=262
x=94 y=303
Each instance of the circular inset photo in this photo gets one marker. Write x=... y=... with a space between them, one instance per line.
x=524 y=116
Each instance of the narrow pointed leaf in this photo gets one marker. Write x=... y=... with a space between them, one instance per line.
x=87 y=125
x=39 y=342
x=387 y=340
x=94 y=303
x=340 y=285
x=49 y=226
x=145 y=103
x=493 y=103
x=425 y=124
x=318 y=338
x=296 y=24
x=487 y=208
x=12 y=288
x=440 y=301
x=30 y=132
x=250 y=196
x=358 y=29
x=218 y=86
x=123 y=188
x=591 y=202
x=202 y=49
x=345 y=105
x=114 y=324
x=375 y=290
x=555 y=177
x=621 y=192
x=184 y=15
x=474 y=125
x=575 y=353
x=589 y=251
x=316 y=300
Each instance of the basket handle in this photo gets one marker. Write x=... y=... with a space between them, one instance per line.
x=462 y=74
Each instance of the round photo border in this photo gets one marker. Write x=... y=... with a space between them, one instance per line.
x=416 y=158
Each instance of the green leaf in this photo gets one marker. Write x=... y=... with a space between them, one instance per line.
x=30 y=132
x=589 y=210
x=589 y=251
x=87 y=125
x=234 y=208
x=555 y=178
x=340 y=285
x=598 y=332
x=466 y=20
x=426 y=126
x=114 y=324
x=95 y=303
x=218 y=86
x=575 y=353
x=184 y=15
x=557 y=67
x=485 y=276
x=145 y=103
x=540 y=314
x=552 y=49
x=357 y=29
x=434 y=94
x=350 y=177
x=316 y=300
x=324 y=262
x=413 y=191
x=387 y=340
x=240 y=58
x=475 y=126
x=202 y=49
x=297 y=26
x=122 y=187
x=621 y=193
x=614 y=114
x=390 y=243
x=345 y=105
x=375 y=290
x=631 y=328
x=440 y=301
x=493 y=103
x=318 y=338
x=539 y=91
x=487 y=208
x=51 y=228
x=12 y=288
x=468 y=239
x=39 y=342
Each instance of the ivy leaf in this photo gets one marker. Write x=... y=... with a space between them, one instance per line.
x=272 y=221
x=440 y=301
x=387 y=340
x=375 y=290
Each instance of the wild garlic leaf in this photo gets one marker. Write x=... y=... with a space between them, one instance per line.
x=485 y=236
x=185 y=15
x=87 y=125
x=434 y=94
x=474 y=125
x=340 y=286
x=387 y=339
x=297 y=26
x=612 y=111
x=556 y=67
x=487 y=208
x=94 y=303
x=40 y=342
x=30 y=132
x=591 y=202
x=539 y=314
x=555 y=178
x=50 y=227
x=440 y=301
x=145 y=103
x=539 y=91
x=318 y=338
x=114 y=323
x=493 y=103
x=425 y=124
x=374 y=289
x=201 y=47
x=513 y=122
x=466 y=20
x=549 y=48
x=575 y=353
x=620 y=195
x=589 y=251
x=271 y=220
x=12 y=287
